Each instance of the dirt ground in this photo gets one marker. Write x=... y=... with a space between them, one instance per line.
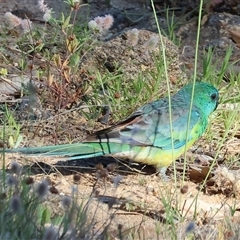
x=138 y=201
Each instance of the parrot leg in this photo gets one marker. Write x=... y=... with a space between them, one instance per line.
x=162 y=173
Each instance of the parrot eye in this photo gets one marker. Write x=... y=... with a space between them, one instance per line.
x=213 y=96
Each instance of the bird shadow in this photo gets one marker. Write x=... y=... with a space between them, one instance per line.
x=89 y=165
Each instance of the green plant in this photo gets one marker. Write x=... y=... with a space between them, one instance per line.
x=10 y=129
x=25 y=214
x=172 y=25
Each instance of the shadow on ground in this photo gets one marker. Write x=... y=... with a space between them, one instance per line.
x=89 y=165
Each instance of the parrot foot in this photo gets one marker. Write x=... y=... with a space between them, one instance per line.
x=162 y=173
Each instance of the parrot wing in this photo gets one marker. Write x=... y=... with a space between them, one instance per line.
x=150 y=126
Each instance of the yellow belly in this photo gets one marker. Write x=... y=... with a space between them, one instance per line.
x=153 y=156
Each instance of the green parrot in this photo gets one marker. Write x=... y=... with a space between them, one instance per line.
x=146 y=136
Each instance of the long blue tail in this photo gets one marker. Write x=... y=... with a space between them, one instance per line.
x=71 y=151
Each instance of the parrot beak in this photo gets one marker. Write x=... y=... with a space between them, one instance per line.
x=216 y=105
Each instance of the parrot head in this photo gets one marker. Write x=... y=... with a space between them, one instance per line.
x=206 y=96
